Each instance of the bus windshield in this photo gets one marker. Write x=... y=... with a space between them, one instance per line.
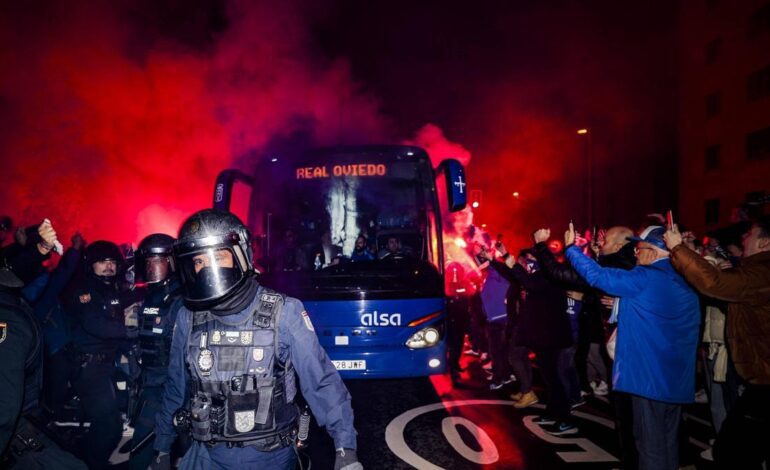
x=346 y=229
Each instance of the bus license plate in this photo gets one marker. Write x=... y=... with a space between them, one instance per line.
x=350 y=365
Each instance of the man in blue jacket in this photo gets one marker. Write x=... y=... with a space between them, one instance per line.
x=658 y=325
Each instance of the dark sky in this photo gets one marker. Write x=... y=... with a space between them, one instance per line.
x=133 y=107
x=512 y=81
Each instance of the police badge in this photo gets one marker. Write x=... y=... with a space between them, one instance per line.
x=205 y=361
x=258 y=354
x=246 y=337
x=244 y=421
x=216 y=337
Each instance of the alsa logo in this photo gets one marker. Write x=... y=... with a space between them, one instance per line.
x=381 y=319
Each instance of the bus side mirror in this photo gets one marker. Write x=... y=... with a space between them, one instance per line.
x=223 y=188
x=456 y=185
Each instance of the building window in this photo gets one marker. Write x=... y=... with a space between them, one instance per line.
x=713 y=104
x=759 y=21
x=712 y=211
x=755 y=203
x=758 y=84
x=758 y=144
x=712 y=157
x=712 y=50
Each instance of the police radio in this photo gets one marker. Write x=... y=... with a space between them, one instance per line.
x=304 y=428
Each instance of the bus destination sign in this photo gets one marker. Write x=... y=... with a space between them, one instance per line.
x=361 y=169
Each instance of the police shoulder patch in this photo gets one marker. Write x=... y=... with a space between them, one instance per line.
x=244 y=420
x=3 y=331
x=205 y=361
x=308 y=323
x=85 y=298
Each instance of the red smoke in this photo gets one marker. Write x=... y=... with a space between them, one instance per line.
x=118 y=131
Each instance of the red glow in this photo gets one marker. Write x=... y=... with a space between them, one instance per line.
x=117 y=143
x=494 y=419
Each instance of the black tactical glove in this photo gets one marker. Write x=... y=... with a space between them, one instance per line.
x=346 y=459
x=161 y=461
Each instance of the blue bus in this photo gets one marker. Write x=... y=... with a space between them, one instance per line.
x=355 y=233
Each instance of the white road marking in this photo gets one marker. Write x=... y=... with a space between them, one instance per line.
x=488 y=454
x=591 y=452
x=394 y=436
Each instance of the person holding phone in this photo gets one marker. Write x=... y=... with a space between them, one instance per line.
x=657 y=337
x=743 y=437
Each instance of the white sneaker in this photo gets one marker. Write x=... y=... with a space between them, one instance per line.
x=601 y=389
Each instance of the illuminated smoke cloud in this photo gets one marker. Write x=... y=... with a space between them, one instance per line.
x=456 y=225
x=115 y=127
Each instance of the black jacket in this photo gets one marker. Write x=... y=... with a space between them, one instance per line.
x=542 y=322
x=20 y=352
x=560 y=273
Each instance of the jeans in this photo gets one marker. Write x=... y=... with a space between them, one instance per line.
x=624 y=424
x=458 y=320
x=557 y=406
x=568 y=374
x=596 y=364
x=656 y=430
x=743 y=440
x=501 y=370
x=518 y=358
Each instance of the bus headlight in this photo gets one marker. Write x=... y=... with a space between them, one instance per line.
x=424 y=338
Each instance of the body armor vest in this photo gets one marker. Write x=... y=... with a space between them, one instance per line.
x=242 y=392
x=156 y=325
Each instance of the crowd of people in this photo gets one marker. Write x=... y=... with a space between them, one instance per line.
x=639 y=316
x=218 y=369
x=636 y=316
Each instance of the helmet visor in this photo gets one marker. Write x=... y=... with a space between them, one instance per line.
x=209 y=273
x=157 y=268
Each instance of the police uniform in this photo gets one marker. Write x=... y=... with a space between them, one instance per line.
x=244 y=347
x=97 y=336
x=20 y=353
x=23 y=444
x=251 y=358
x=157 y=317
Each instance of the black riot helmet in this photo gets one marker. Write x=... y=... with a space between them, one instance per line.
x=154 y=258
x=213 y=257
x=102 y=250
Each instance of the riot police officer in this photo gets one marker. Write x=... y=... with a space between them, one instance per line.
x=244 y=346
x=24 y=442
x=97 y=335
x=19 y=348
x=157 y=315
